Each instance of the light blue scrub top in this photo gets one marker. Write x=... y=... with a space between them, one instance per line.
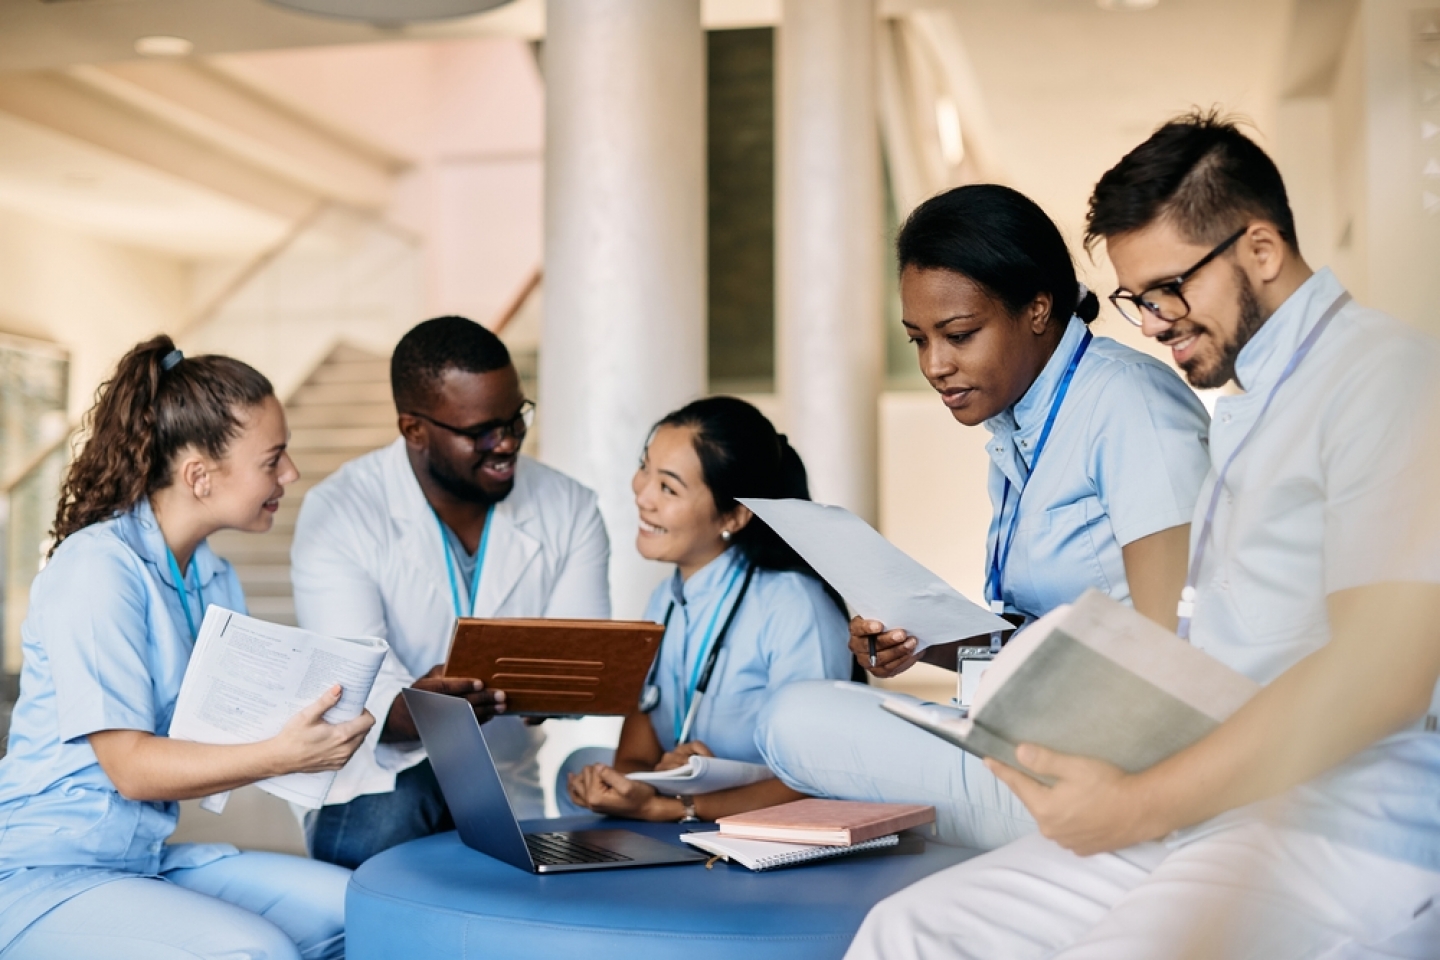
x=1125 y=459
x=787 y=629
x=106 y=645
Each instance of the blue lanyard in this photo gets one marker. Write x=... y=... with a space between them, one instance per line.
x=450 y=564
x=709 y=648
x=1186 y=608
x=1000 y=556
x=179 y=580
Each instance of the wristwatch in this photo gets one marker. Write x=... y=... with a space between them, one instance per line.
x=689 y=804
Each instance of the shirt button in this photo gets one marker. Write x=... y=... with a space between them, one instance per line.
x=1224 y=418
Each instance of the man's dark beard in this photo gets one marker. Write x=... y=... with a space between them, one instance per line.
x=460 y=488
x=1251 y=319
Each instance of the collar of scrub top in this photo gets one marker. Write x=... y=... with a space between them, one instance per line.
x=724 y=572
x=1185 y=610
x=1265 y=355
x=145 y=536
x=1034 y=415
x=453 y=575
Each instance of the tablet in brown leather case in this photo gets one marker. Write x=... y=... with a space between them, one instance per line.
x=557 y=667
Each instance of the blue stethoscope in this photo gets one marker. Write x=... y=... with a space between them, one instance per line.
x=707 y=655
x=179 y=580
x=450 y=564
x=1000 y=555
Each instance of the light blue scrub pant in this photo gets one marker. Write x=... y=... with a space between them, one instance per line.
x=829 y=738
x=252 y=906
x=577 y=761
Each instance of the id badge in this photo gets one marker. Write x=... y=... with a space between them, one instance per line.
x=970 y=665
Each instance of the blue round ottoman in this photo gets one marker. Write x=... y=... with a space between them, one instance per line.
x=438 y=898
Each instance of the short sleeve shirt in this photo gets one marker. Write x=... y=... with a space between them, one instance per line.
x=106 y=644
x=1335 y=489
x=1125 y=459
x=786 y=629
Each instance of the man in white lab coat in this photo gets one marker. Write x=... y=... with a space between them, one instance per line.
x=449 y=520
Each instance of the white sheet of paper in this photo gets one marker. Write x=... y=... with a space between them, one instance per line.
x=706 y=775
x=878 y=579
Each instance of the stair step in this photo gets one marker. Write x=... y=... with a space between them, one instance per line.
x=254 y=574
x=349 y=353
x=304 y=439
x=243 y=549
x=359 y=371
x=343 y=415
x=274 y=609
x=313 y=394
x=266 y=591
x=316 y=465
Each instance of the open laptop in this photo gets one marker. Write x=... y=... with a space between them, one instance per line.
x=482 y=812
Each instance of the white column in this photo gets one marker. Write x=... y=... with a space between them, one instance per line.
x=830 y=245
x=623 y=339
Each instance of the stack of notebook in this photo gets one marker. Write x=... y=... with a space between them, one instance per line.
x=808 y=830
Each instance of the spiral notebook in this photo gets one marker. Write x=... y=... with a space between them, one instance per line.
x=768 y=855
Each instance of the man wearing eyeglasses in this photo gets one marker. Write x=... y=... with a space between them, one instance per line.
x=1308 y=824
x=450 y=520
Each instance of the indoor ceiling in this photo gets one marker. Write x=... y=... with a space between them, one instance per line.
x=1068 y=86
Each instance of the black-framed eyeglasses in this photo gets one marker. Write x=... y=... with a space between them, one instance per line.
x=486 y=436
x=1165 y=301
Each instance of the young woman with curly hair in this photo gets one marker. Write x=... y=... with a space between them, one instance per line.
x=178 y=448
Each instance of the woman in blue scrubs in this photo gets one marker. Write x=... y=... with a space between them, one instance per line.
x=178 y=449
x=737 y=591
x=1097 y=455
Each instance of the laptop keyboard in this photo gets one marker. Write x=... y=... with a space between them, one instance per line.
x=554 y=849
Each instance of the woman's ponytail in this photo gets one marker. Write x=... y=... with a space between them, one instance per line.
x=156 y=404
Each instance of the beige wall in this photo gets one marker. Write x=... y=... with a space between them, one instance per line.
x=1353 y=158
x=90 y=296
x=469 y=117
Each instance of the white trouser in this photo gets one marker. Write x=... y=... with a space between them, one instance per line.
x=250 y=906
x=1249 y=891
x=829 y=738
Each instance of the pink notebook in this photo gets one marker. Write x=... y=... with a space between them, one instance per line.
x=829 y=823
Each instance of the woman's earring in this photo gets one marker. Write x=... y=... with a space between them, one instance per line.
x=725 y=535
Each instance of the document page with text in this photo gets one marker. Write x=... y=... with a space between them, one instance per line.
x=248 y=677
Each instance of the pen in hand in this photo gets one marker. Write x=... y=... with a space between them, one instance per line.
x=872 y=649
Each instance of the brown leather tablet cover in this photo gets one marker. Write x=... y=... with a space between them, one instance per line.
x=557 y=667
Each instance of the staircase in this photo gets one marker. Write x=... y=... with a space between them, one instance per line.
x=341 y=411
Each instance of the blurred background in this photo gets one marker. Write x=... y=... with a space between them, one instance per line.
x=649 y=200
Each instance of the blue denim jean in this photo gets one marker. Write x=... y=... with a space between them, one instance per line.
x=348 y=834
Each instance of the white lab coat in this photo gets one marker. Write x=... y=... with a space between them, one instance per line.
x=368 y=560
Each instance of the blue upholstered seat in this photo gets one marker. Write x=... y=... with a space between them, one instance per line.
x=438 y=898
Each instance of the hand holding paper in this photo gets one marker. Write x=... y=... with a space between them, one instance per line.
x=877 y=578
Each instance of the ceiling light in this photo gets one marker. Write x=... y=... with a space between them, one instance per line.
x=164 y=47
x=1126 y=6
x=390 y=11
x=947 y=127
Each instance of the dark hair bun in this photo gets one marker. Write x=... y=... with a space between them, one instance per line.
x=1089 y=307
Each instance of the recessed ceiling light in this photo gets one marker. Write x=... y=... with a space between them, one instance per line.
x=390 y=12
x=1126 y=6
x=159 y=46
